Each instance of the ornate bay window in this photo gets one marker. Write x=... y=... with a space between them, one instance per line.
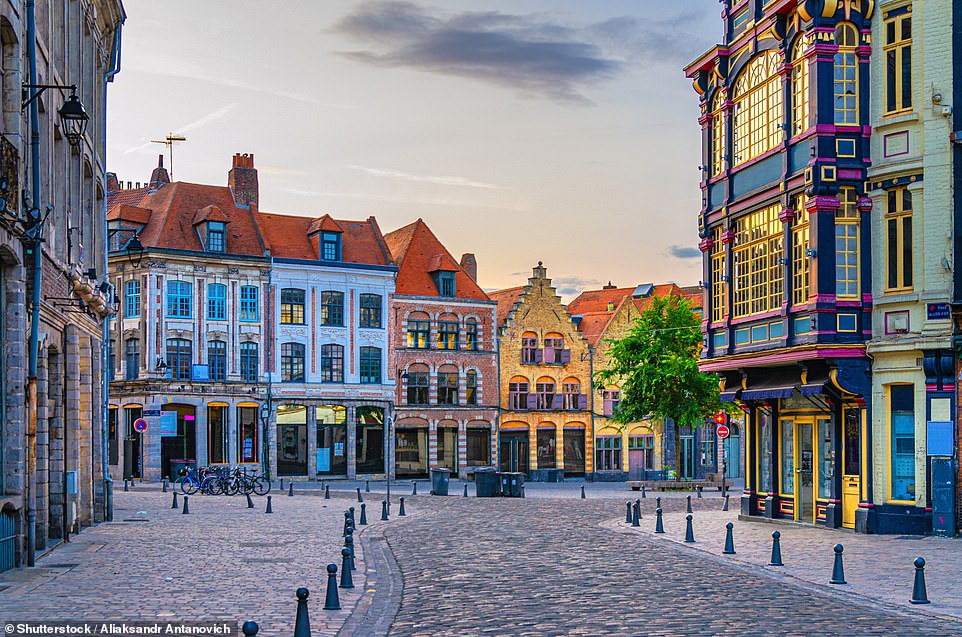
x=717 y=130
x=846 y=244
x=801 y=265
x=718 y=292
x=846 y=75
x=800 y=88
x=757 y=113
x=756 y=255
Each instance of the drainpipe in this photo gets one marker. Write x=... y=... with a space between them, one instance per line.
x=497 y=417
x=591 y=401
x=3 y=393
x=268 y=356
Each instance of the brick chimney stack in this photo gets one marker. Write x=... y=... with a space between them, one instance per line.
x=610 y=286
x=242 y=180
x=470 y=265
x=159 y=176
x=112 y=184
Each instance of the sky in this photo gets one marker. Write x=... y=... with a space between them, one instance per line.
x=521 y=130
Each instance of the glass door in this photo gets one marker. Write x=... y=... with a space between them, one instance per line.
x=804 y=471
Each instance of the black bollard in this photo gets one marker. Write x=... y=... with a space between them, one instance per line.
x=776 y=550
x=582 y=492
x=384 y=509
x=327 y=492
x=186 y=509
x=269 y=510
x=401 y=512
x=282 y=484
x=353 y=523
x=347 y=579
x=347 y=523
x=359 y=498
x=636 y=513
x=250 y=503
x=465 y=490
x=628 y=512
x=522 y=490
x=250 y=629
x=698 y=491
x=644 y=492
x=330 y=601
x=367 y=486
x=729 y=540
x=349 y=545
x=838 y=573
x=302 y=622
x=414 y=491
x=689 y=534
x=126 y=488
x=290 y=489
x=658 y=502
x=918 y=589
x=689 y=505
x=363 y=514
x=173 y=505
x=725 y=507
x=659 y=526
x=165 y=485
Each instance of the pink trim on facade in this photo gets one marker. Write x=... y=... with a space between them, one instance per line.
x=781 y=357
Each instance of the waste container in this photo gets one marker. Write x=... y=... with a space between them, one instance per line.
x=439 y=481
x=511 y=484
x=487 y=483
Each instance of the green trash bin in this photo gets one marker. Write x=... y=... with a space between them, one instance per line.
x=439 y=481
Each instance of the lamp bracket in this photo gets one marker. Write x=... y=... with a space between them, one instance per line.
x=28 y=99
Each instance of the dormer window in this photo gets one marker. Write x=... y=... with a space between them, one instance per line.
x=330 y=246
x=216 y=236
x=445 y=283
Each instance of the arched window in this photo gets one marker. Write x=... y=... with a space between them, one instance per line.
x=417 y=381
x=332 y=363
x=800 y=95
x=448 y=385
x=518 y=393
x=419 y=329
x=846 y=75
x=717 y=131
x=471 y=335
x=292 y=363
x=179 y=358
x=217 y=360
x=471 y=388
x=248 y=361
x=757 y=111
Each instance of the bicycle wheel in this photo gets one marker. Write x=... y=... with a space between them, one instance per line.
x=186 y=484
x=230 y=486
x=261 y=486
x=246 y=486
x=212 y=486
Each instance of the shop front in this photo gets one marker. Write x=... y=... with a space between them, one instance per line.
x=291 y=440
x=369 y=436
x=574 y=450
x=331 y=433
x=181 y=449
x=514 y=445
x=411 y=448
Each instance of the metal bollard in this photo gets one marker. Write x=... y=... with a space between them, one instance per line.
x=282 y=484
x=349 y=545
x=367 y=486
x=725 y=507
x=363 y=514
x=689 y=504
x=628 y=512
x=918 y=588
x=838 y=573
x=347 y=523
x=186 y=509
x=250 y=503
x=384 y=509
x=250 y=629
x=401 y=512
x=465 y=490
x=302 y=622
x=269 y=510
x=636 y=513
x=522 y=490
x=165 y=485
x=698 y=491
x=729 y=540
x=658 y=502
x=173 y=505
x=689 y=534
x=414 y=491
x=290 y=489
x=359 y=498
x=659 y=525
x=776 y=550
x=582 y=492
x=351 y=511
x=347 y=579
x=644 y=492
x=331 y=602
x=327 y=492
x=126 y=487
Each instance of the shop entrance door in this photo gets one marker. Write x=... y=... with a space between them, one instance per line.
x=851 y=466
x=804 y=476
x=514 y=453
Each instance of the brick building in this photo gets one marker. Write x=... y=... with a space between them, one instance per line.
x=444 y=355
x=545 y=378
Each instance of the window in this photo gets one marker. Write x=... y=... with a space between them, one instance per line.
x=248 y=303
x=131 y=358
x=216 y=236
x=471 y=387
x=898 y=223
x=787 y=448
x=217 y=302
x=756 y=255
x=179 y=358
x=330 y=246
x=757 y=112
x=518 y=396
x=418 y=333
x=370 y=365
x=846 y=75
x=417 y=387
x=132 y=299
x=471 y=335
x=846 y=244
x=708 y=451
x=545 y=393
x=902 y=440
x=547 y=448
x=478 y=447
x=248 y=362
x=332 y=308
x=370 y=310
x=800 y=88
x=646 y=445
x=332 y=363
x=111 y=360
x=571 y=396
x=898 y=61
x=292 y=363
x=247 y=434
x=292 y=306
x=446 y=284
x=178 y=299
x=447 y=388
x=611 y=401
x=554 y=351
x=764 y=451
x=718 y=285
x=447 y=335
x=801 y=263
x=529 y=350
x=217 y=360
x=608 y=453
x=717 y=131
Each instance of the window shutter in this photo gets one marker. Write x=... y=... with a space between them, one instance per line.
x=607 y=407
x=548 y=355
x=557 y=401
x=582 y=401
x=538 y=355
x=532 y=402
x=565 y=356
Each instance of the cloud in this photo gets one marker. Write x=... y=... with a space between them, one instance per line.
x=572 y=285
x=684 y=252
x=532 y=54
x=428 y=179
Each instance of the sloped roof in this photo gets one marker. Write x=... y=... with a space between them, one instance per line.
x=597 y=300
x=325 y=223
x=506 y=299
x=287 y=237
x=133 y=214
x=417 y=252
x=592 y=306
x=131 y=196
x=593 y=326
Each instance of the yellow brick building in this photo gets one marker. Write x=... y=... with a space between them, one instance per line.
x=545 y=428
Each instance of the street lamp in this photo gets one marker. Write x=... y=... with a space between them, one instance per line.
x=134 y=248
x=73 y=116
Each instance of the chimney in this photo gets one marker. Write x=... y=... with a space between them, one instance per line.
x=470 y=265
x=609 y=286
x=112 y=184
x=242 y=180
x=159 y=176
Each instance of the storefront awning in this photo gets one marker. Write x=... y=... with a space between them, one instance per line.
x=779 y=383
x=729 y=396
x=812 y=389
x=762 y=393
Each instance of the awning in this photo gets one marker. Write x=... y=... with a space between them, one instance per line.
x=776 y=383
x=729 y=396
x=761 y=393
x=812 y=389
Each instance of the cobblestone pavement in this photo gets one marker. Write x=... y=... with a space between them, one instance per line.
x=223 y=561
x=552 y=567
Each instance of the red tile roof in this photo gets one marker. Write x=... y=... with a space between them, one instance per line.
x=417 y=252
x=287 y=237
x=506 y=299
x=593 y=306
x=593 y=325
x=131 y=196
x=132 y=214
x=325 y=223
x=597 y=300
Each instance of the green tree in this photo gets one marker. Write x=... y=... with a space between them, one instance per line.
x=656 y=366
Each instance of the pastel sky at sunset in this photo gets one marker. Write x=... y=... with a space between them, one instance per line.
x=520 y=130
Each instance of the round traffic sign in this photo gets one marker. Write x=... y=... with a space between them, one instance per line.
x=722 y=431
x=140 y=425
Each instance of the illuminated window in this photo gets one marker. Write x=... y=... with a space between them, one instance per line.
x=801 y=263
x=800 y=109
x=757 y=110
x=292 y=306
x=846 y=75
x=898 y=62
x=756 y=253
x=718 y=296
x=717 y=137
x=846 y=244
x=898 y=236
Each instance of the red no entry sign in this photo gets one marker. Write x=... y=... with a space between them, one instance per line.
x=722 y=431
x=140 y=425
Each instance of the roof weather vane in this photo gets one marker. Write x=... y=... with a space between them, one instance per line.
x=169 y=143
